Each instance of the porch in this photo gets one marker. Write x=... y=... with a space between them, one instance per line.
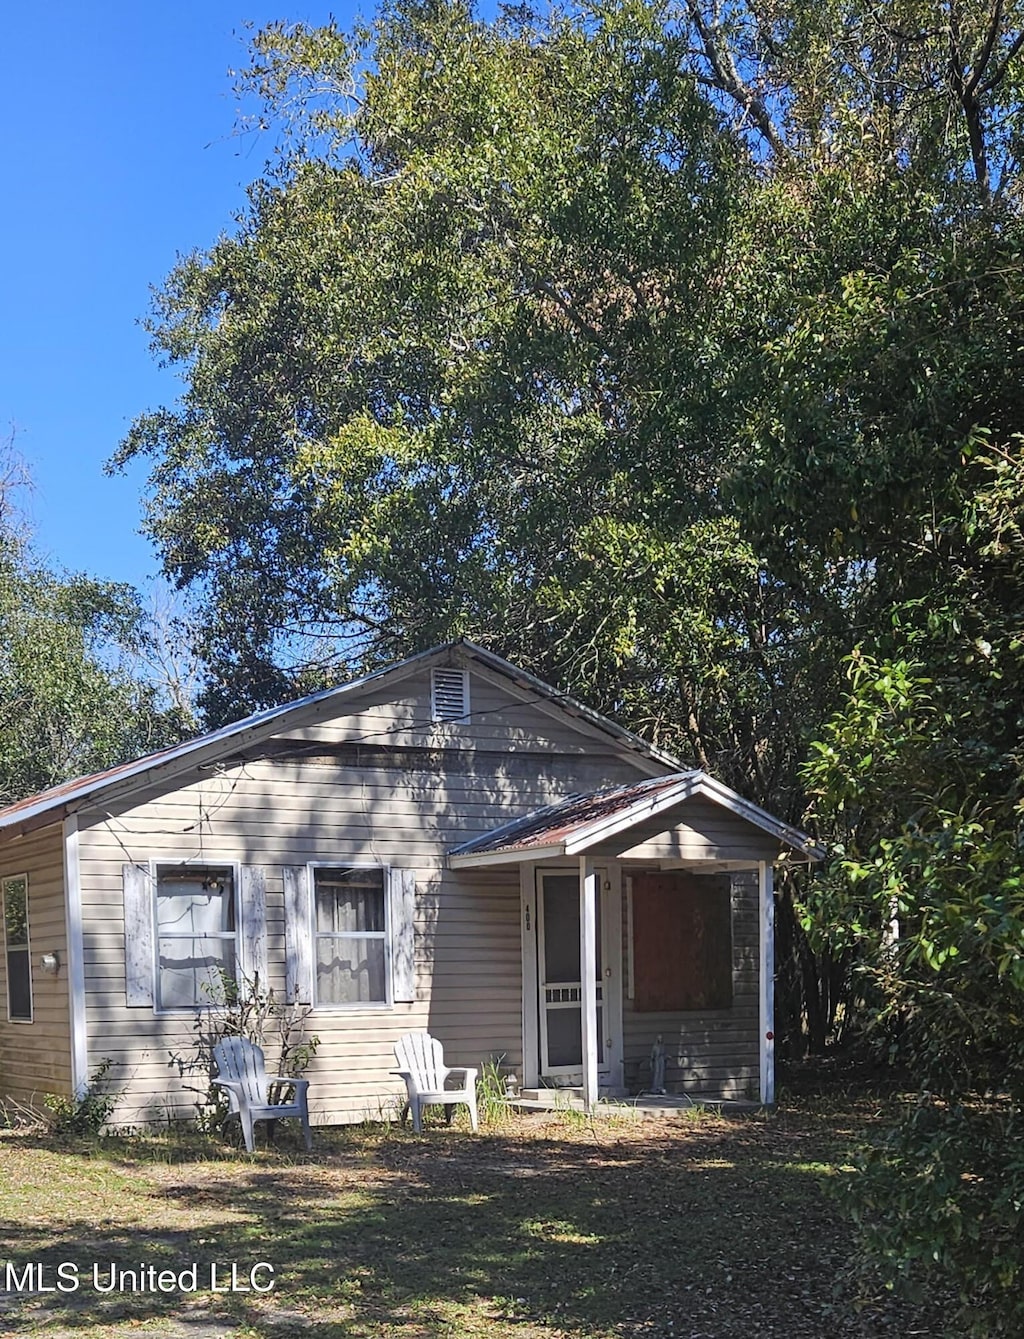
x=644 y=906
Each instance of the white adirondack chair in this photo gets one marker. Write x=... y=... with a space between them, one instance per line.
x=242 y=1074
x=421 y=1063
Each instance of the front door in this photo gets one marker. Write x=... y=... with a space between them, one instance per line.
x=560 y=983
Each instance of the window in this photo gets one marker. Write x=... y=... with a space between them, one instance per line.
x=350 y=925
x=19 y=962
x=196 y=934
x=449 y=694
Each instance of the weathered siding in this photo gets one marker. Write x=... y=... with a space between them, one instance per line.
x=701 y=830
x=399 y=715
x=713 y=1053
x=282 y=811
x=35 y=1058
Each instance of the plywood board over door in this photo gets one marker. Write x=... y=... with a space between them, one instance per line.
x=682 y=941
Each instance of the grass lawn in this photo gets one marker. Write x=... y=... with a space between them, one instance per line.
x=551 y=1226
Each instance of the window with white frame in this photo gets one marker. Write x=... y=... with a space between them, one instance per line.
x=16 y=945
x=197 y=936
x=351 y=934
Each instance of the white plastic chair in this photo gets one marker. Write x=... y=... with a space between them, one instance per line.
x=242 y=1074
x=421 y=1063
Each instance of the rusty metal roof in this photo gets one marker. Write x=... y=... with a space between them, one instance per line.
x=67 y=790
x=578 y=822
x=556 y=822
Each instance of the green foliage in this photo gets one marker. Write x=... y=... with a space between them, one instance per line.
x=674 y=351
x=492 y=1093
x=919 y=774
x=462 y=369
x=88 y=1114
x=71 y=701
x=939 y=1203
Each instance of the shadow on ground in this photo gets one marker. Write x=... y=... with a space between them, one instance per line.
x=702 y=1231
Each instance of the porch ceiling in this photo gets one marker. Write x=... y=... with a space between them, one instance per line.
x=580 y=823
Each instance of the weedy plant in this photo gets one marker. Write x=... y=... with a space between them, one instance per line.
x=492 y=1094
x=383 y=1122
x=573 y=1117
x=87 y=1114
x=699 y=1114
x=15 y=1115
x=246 y=1009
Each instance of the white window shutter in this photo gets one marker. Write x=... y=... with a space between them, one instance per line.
x=298 y=931
x=138 y=935
x=403 y=935
x=253 y=913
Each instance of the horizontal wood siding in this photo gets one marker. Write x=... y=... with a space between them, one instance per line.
x=276 y=814
x=698 y=830
x=711 y=1053
x=35 y=1058
x=400 y=716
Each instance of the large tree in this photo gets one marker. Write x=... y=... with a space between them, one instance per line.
x=891 y=446
x=474 y=363
x=73 y=694
x=633 y=343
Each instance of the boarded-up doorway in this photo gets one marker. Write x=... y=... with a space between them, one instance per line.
x=682 y=941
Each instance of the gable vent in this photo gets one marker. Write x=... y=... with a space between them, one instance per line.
x=449 y=694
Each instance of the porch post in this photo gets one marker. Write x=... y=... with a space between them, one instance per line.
x=766 y=979
x=588 y=972
x=531 y=994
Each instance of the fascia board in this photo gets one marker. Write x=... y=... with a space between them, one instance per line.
x=570 y=705
x=752 y=813
x=698 y=784
x=212 y=747
x=513 y=856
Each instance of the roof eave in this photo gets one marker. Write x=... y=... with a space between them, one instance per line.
x=513 y=855
x=801 y=848
x=572 y=705
x=753 y=813
x=206 y=749
x=221 y=744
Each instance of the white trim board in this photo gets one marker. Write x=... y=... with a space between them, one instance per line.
x=766 y=981
x=76 y=960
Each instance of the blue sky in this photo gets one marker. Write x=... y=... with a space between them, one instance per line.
x=121 y=155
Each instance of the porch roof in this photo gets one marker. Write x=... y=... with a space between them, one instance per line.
x=579 y=822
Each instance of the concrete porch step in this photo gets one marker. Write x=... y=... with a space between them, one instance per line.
x=644 y=1105
x=550 y=1095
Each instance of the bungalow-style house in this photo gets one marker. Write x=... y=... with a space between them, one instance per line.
x=447 y=844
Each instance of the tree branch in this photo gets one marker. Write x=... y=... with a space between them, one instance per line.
x=1003 y=66
x=727 y=78
x=547 y=289
x=968 y=98
x=981 y=64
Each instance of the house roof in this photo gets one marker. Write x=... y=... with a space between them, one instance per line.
x=580 y=822
x=220 y=744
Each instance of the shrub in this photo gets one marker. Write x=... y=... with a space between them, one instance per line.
x=86 y=1114
x=941 y=1205
x=248 y=1009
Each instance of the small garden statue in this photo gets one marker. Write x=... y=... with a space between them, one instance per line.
x=657 y=1066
